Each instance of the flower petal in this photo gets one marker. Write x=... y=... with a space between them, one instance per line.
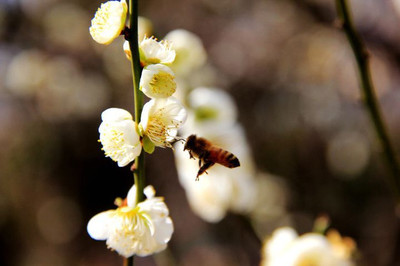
x=98 y=226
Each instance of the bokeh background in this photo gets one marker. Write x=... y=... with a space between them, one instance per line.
x=292 y=75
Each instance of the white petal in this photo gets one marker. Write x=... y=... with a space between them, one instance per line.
x=98 y=226
x=155 y=207
x=149 y=192
x=115 y=115
x=281 y=238
x=131 y=197
x=146 y=111
x=164 y=231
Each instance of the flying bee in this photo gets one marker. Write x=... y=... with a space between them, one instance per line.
x=209 y=154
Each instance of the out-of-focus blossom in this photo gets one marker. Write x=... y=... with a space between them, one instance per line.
x=285 y=247
x=190 y=52
x=396 y=4
x=157 y=81
x=66 y=220
x=145 y=27
x=212 y=108
x=343 y=246
x=73 y=19
x=134 y=229
x=161 y=119
x=221 y=189
x=108 y=21
x=269 y=210
x=119 y=137
x=114 y=62
x=26 y=74
x=348 y=153
x=153 y=52
x=212 y=115
x=68 y=92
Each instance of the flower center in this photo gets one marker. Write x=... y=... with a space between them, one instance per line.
x=130 y=228
x=156 y=131
x=163 y=84
x=203 y=113
x=114 y=144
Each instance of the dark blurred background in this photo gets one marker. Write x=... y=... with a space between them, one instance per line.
x=292 y=75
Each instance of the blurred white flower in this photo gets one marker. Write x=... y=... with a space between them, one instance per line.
x=285 y=247
x=66 y=15
x=157 y=81
x=161 y=119
x=269 y=210
x=119 y=137
x=134 y=229
x=212 y=108
x=190 y=52
x=108 y=21
x=145 y=27
x=222 y=189
x=26 y=74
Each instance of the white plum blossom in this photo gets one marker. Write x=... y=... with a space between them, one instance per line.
x=118 y=136
x=190 y=52
x=134 y=229
x=157 y=81
x=152 y=52
x=108 y=21
x=161 y=119
x=285 y=247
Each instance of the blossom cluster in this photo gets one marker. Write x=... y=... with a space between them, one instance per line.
x=245 y=190
x=162 y=115
x=136 y=228
x=178 y=66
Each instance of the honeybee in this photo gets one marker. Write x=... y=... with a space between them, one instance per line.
x=209 y=154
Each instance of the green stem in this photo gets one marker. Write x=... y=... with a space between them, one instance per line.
x=138 y=173
x=132 y=37
x=368 y=93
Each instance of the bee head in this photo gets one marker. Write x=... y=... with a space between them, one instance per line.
x=190 y=142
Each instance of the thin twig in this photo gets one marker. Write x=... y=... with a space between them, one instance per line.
x=368 y=93
x=132 y=37
x=138 y=95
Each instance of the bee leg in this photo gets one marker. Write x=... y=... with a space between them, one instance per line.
x=203 y=168
x=191 y=155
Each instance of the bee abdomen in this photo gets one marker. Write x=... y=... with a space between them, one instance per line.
x=227 y=159
x=233 y=161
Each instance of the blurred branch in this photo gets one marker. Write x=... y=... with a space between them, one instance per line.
x=128 y=261
x=368 y=92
